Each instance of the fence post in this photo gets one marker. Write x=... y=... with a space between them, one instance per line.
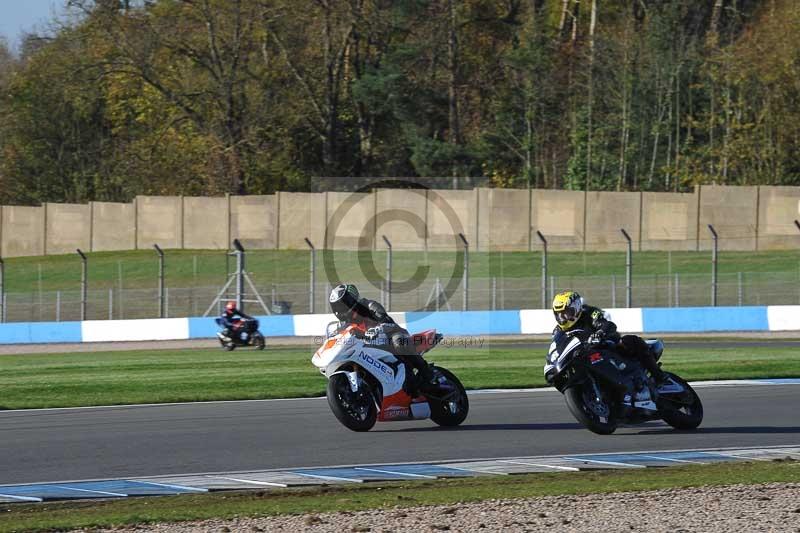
x=58 y=306
x=2 y=291
x=239 y=274
x=544 y=269
x=111 y=304
x=713 y=266
x=494 y=293
x=83 y=283
x=160 y=253
x=388 y=274
x=677 y=290
x=313 y=276
x=628 y=268
x=465 y=305
x=741 y=290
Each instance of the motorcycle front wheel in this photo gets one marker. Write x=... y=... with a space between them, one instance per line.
x=594 y=413
x=452 y=406
x=355 y=410
x=683 y=410
x=258 y=341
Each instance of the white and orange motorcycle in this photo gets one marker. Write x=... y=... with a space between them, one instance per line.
x=367 y=383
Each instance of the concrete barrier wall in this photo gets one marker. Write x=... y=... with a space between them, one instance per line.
x=401 y=215
x=448 y=214
x=159 y=220
x=669 y=221
x=206 y=223
x=746 y=218
x=23 y=231
x=503 y=219
x=559 y=216
x=449 y=323
x=351 y=221
x=301 y=215
x=606 y=214
x=733 y=211
x=113 y=226
x=254 y=221
x=778 y=208
x=68 y=227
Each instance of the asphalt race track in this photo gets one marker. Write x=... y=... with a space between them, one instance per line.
x=112 y=442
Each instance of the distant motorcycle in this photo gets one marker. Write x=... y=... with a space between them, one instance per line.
x=603 y=389
x=245 y=333
x=367 y=383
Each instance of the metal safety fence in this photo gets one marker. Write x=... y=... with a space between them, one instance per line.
x=484 y=293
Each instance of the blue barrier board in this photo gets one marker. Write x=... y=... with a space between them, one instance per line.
x=40 y=332
x=681 y=319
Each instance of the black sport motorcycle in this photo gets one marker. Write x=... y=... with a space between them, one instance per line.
x=604 y=389
x=244 y=333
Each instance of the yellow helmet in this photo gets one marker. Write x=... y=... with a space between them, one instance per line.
x=567 y=307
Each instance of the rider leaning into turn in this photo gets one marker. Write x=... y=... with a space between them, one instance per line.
x=230 y=319
x=349 y=307
x=572 y=315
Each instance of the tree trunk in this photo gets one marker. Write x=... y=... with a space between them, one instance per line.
x=452 y=93
x=592 y=25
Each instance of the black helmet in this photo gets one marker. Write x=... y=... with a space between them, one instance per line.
x=343 y=300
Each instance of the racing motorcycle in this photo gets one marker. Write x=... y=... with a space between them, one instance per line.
x=603 y=389
x=367 y=383
x=245 y=333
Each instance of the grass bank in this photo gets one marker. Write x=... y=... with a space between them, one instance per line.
x=159 y=376
x=62 y=516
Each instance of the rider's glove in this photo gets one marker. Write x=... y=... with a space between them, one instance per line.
x=376 y=335
x=596 y=337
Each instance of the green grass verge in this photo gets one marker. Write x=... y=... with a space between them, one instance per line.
x=188 y=268
x=157 y=376
x=61 y=516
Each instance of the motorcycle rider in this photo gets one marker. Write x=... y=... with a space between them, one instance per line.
x=231 y=319
x=348 y=306
x=573 y=315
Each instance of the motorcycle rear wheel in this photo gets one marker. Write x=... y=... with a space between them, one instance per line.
x=690 y=413
x=578 y=399
x=452 y=409
x=355 y=410
x=229 y=346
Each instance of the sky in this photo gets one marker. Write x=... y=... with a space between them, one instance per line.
x=19 y=16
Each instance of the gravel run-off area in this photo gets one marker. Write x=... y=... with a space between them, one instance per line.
x=770 y=507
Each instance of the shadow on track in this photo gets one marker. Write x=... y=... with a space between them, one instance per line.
x=740 y=430
x=486 y=427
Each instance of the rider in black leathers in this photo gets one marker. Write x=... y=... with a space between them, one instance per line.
x=572 y=315
x=349 y=307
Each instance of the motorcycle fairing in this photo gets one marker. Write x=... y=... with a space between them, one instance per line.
x=346 y=349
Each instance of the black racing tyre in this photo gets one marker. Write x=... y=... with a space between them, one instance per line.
x=452 y=408
x=229 y=346
x=258 y=341
x=356 y=411
x=582 y=403
x=682 y=411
